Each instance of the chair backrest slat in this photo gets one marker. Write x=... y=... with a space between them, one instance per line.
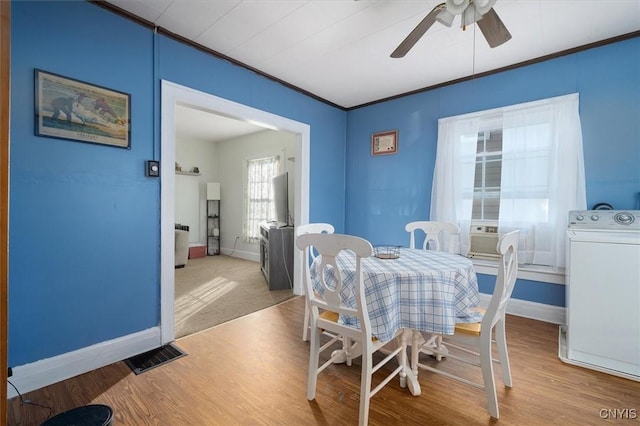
x=435 y=232
x=505 y=280
x=314 y=228
x=332 y=295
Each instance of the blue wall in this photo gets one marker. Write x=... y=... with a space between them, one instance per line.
x=385 y=192
x=84 y=220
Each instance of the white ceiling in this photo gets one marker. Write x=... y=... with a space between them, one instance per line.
x=338 y=50
x=193 y=124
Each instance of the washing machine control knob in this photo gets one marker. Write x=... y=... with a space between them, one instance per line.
x=595 y=217
x=624 y=218
x=579 y=217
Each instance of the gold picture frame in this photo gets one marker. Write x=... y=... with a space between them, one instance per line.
x=384 y=143
x=72 y=109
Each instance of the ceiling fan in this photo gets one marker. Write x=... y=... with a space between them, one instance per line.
x=470 y=11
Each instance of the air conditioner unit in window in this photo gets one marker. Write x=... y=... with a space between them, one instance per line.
x=484 y=242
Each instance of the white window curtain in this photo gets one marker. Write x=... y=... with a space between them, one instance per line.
x=542 y=174
x=452 y=192
x=258 y=195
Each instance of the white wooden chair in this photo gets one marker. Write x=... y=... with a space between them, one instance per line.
x=311 y=228
x=330 y=302
x=480 y=335
x=440 y=234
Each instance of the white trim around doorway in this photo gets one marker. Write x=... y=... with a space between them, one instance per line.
x=173 y=94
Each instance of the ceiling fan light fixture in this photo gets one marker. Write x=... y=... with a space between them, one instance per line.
x=456 y=7
x=480 y=12
x=469 y=16
x=445 y=17
x=483 y=6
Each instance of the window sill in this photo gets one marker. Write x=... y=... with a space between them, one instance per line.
x=543 y=274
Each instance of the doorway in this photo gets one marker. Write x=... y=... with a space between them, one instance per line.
x=174 y=94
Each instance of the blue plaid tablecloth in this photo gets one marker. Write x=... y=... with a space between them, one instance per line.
x=424 y=290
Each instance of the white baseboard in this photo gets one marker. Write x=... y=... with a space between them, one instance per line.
x=246 y=255
x=538 y=311
x=36 y=375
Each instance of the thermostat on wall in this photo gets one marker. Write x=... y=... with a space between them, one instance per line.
x=153 y=168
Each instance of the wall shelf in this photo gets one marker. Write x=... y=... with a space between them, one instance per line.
x=213 y=227
x=180 y=172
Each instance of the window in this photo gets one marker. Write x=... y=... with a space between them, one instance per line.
x=258 y=195
x=520 y=166
x=486 y=185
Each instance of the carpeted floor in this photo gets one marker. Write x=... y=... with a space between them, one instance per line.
x=215 y=289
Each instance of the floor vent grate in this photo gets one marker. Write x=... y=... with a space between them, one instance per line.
x=154 y=358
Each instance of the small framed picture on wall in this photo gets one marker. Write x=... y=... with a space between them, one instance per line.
x=384 y=143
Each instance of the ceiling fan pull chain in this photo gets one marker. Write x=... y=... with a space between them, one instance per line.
x=473 y=64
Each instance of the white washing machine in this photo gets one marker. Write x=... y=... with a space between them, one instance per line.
x=603 y=292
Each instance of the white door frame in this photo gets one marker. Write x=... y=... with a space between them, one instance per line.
x=173 y=94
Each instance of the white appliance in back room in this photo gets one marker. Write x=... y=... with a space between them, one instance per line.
x=603 y=292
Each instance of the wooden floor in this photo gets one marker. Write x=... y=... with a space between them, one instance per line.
x=252 y=371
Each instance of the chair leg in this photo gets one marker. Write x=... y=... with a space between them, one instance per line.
x=439 y=347
x=314 y=359
x=501 y=342
x=486 y=363
x=347 y=347
x=305 y=325
x=365 y=387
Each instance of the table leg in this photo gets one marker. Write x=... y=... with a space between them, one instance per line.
x=339 y=356
x=347 y=353
x=433 y=346
x=410 y=376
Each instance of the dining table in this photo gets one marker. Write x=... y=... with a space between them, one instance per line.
x=415 y=291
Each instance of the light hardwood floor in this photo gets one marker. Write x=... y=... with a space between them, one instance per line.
x=252 y=371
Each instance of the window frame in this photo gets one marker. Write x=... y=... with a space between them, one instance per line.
x=542 y=242
x=251 y=223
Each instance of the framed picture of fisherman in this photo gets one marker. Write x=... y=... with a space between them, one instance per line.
x=80 y=111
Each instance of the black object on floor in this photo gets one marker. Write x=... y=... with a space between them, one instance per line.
x=154 y=358
x=88 y=415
